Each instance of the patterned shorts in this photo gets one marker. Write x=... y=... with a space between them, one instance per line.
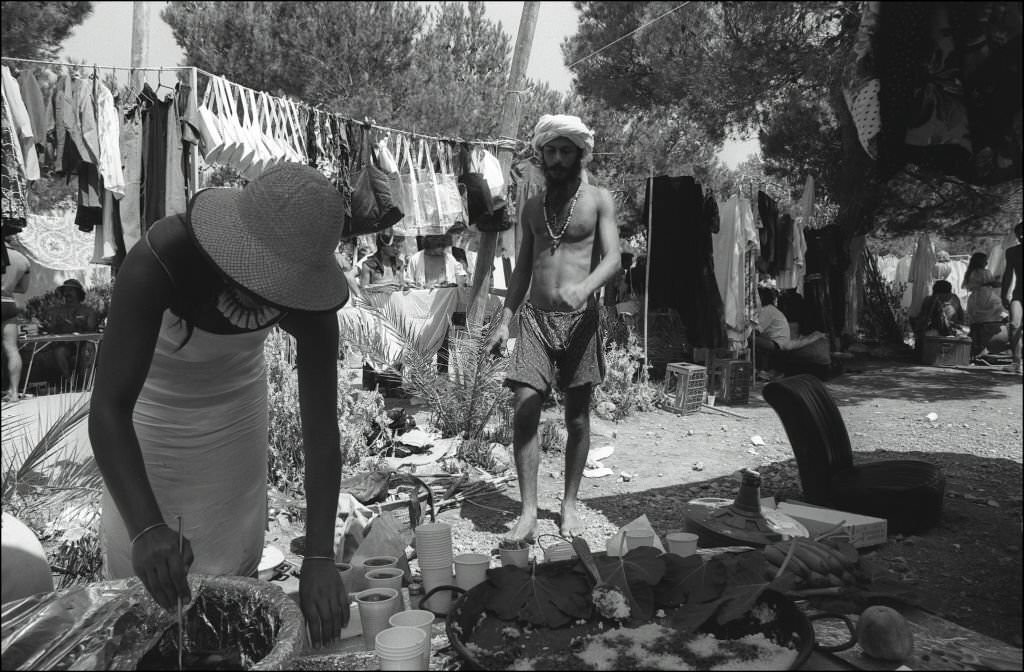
x=556 y=348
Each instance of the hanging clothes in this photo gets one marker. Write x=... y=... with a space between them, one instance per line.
x=130 y=206
x=824 y=286
x=60 y=115
x=154 y=157
x=175 y=191
x=736 y=235
x=768 y=213
x=32 y=96
x=681 y=260
x=796 y=251
x=921 y=273
x=21 y=126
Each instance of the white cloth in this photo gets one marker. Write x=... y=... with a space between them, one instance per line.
x=736 y=234
x=416 y=269
x=202 y=422
x=567 y=126
x=109 y=132
x=921 y=273
x=21 y=126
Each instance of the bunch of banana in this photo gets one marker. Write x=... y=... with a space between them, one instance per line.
x=814 y=564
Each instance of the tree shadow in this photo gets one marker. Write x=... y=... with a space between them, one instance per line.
x=912 y=382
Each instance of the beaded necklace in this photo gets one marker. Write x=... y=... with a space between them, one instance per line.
x=551 y=219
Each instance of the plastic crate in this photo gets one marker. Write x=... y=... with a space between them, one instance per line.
x=946 y=351
x=732 y=379
x=686 y=384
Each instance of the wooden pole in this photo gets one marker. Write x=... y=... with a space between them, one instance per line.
x=647 y=266
x=510 y=114
x=140 y=41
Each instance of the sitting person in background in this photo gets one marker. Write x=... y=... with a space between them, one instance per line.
x=941 y=313
x=385 y=266
x=435 y=265
x=986 y=316
x=973 y=274
x=776 y=347
x=69 y=317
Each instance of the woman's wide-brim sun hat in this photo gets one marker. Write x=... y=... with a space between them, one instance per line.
x=276 y=237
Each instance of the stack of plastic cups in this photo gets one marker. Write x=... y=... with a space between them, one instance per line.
x=417 y=618
x=434 y=550
x=400 y=648
x=471 y=569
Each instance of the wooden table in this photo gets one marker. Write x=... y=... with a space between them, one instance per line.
x=40 y=343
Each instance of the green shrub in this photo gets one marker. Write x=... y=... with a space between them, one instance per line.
x=357 y=410
x=626 y=388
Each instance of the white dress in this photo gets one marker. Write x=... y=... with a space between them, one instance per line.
x=202 y=424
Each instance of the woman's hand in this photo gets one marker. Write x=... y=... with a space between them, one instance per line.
x=323 y=599
x=163 y=570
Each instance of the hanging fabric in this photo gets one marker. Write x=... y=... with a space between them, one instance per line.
x=736 y=235
x=372 y=206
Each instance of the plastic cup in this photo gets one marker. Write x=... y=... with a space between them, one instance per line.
x=638 y=538
x=439 y=602
x=417 y=618
x=682 y=543
x=376 y=606
x=347 y=578
x=471 y=569
x=388 y=577
x=380 y=562
x=520 y=557
x=400 y=648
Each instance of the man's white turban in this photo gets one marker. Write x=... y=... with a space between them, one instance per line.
x=567 y=126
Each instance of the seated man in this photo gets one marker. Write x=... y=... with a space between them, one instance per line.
x=941 y=313
x=778 y=350
x=72 y=316
x=986 y=316
x=435 y=265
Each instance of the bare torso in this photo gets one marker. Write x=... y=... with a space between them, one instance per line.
x=574 y=257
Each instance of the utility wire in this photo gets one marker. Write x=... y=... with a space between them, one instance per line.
x=658 y=18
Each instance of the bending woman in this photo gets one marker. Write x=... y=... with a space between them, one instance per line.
x=179 y=417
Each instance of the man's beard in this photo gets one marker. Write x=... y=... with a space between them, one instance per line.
x=557 y=175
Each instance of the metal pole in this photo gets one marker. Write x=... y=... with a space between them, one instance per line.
x=647 y=266
x=510 y=114
x=194 y=147
x=140 y=40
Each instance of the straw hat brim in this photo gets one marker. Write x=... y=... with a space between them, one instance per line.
x=216 y=224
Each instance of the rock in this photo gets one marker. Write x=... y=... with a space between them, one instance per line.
x=698 y=466
x=932 y=417
x=757 y=440
x=884 y=633
x=993 y=503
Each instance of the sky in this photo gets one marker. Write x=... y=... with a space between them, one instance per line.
x=105 y=39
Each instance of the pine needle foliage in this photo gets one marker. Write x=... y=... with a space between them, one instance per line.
x=463 y=401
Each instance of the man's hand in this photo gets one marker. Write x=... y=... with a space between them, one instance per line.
x=573 y=297
x=323 y=599
x=495 y=343
x=163 y=570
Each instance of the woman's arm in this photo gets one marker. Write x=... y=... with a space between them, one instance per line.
x=322 y=595
x=141 y=294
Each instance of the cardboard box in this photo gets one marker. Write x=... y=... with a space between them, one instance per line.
x=863 y=530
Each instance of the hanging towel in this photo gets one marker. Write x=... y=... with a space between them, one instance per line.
x=921 y=273
x=21 y=127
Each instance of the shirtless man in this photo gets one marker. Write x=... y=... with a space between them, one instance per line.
x=1012 y=275
x=570 y=248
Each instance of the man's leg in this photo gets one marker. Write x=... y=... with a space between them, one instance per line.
x=1016 y=313
x=10 y=339
x=577 y=447
x=528 y=403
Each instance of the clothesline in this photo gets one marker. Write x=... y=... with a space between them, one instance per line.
x=503 y=143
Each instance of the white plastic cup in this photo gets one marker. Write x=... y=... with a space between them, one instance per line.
x=347 y=577
x=400 y=648
x=380 y=562
x=519 y=557
x=417 y=618
x=440 y=602
x=682 y=543
x=471 y=569
x=386 y=577
x=638 y=538
x=376 y=606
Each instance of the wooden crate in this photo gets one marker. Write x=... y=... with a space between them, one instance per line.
x=946 y=351
x=686 y=384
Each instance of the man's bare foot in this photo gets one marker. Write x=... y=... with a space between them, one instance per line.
x=571 y=525
x=525 y=530
x=10 y=397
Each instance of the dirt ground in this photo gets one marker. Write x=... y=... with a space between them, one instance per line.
x=967 y=569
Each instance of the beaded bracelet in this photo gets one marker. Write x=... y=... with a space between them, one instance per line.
x=147 y=529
